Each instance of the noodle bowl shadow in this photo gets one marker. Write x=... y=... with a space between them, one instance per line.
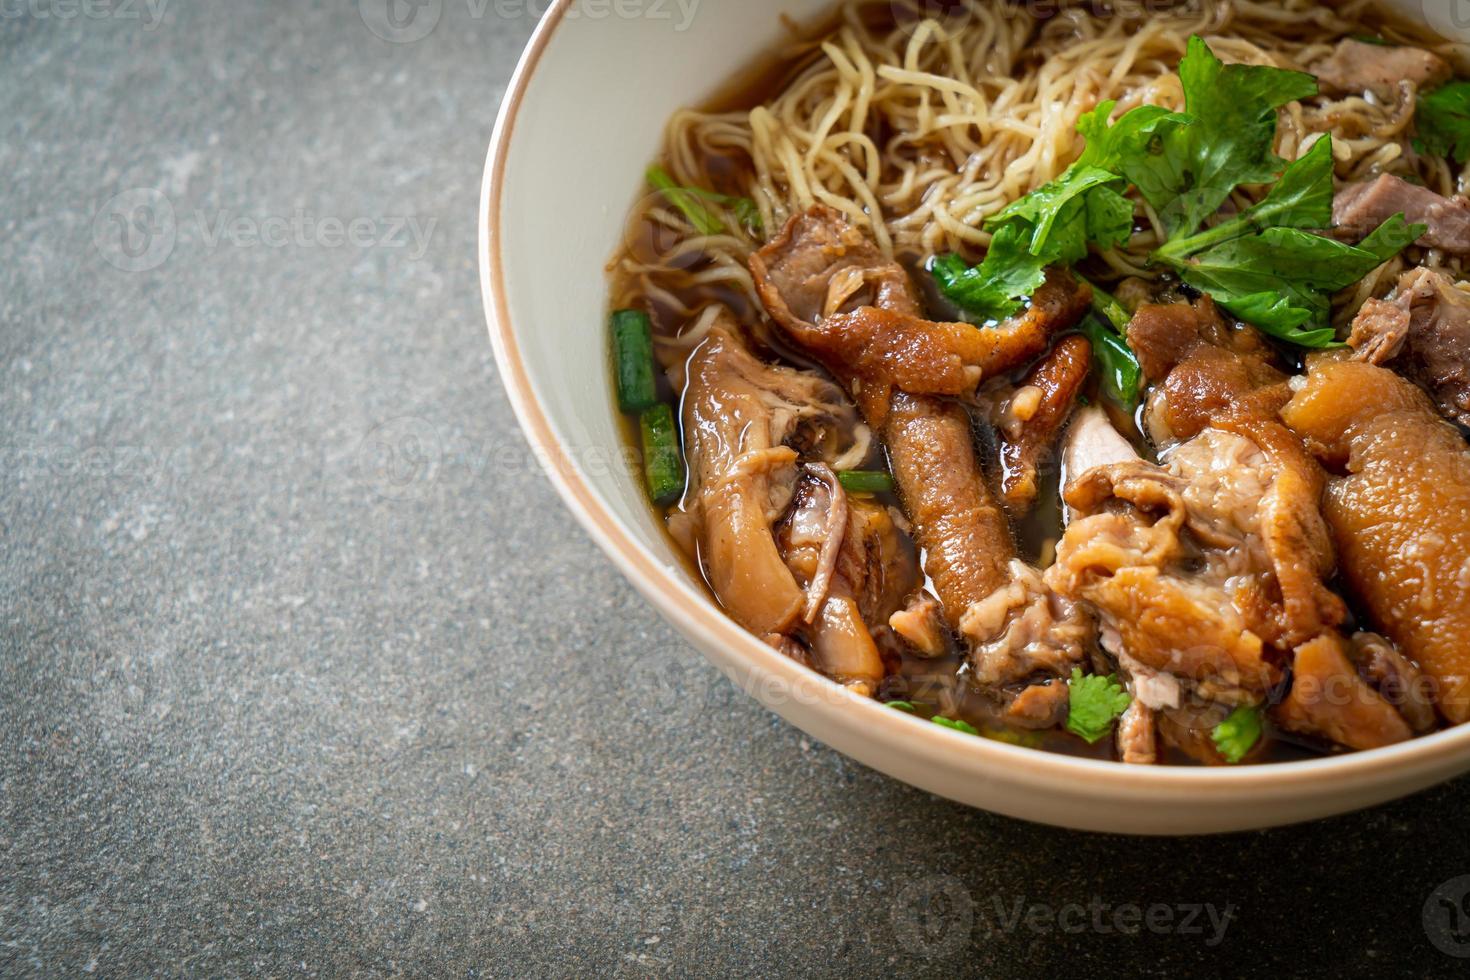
x=565 y=164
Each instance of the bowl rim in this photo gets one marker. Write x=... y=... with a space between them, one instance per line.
x=695 y=615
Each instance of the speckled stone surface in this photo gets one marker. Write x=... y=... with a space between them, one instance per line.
x=304 y=669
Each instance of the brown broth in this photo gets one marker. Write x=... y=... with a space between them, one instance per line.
x=936 y=687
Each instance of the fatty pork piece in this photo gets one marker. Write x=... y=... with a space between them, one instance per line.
x=1399 y=513
x=856 y=567
x=1360 y=208
x=1202 y=369
x=1160 y=553
x=1212 y=376
x=1422 y=331
x=741 y=418
x=1356 y=67
x=838 y=297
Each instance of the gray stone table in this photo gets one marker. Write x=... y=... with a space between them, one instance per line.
x=305 y=670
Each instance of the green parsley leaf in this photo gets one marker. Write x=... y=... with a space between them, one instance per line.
x=1137 y=133
x=1279 y=280
x=1194 y=168
x=1391 y=238
x=1238 y=734
x=1095 y=701
x=1038 y=213
x=1301 y=199
x=1443 y=122
x=993 y=290
x=956 y=725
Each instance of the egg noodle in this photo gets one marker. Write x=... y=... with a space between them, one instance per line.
x=919 y=120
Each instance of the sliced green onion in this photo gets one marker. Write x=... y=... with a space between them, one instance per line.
x=1122 y=376
x=954 y=724
x=1106 y=305
x=633 y=360
x=1238 y=734
x=689 y=201
x=662 y=462
x=905 y=706
x=705 y=221
x=865 y=481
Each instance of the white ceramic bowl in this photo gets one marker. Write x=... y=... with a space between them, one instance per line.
x=582 y=118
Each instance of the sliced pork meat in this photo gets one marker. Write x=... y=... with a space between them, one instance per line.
x=1035 y=415
x=1360 y=208
x=814 y=278
x=1329 y=699
x=1422 y=331
x=1399 y=513
x=856 y=568
x=1164 y=590
x=739 y=416
x=1356 y=67
x=1379 y=331
x=1023 y=630
x=819 y=265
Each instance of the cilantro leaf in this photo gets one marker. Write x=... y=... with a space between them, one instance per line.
x=992 y=290
x=1095 y=701
x=1443 y=121
x=1262 y=266
x=1136 y=133
x=1238 y=734
x=1391 y=238
x=1194 y=168
x=1302 y=198
x=1038 y=213
x=1053 y=224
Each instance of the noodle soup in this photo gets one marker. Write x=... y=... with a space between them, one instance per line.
x=967 y=356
